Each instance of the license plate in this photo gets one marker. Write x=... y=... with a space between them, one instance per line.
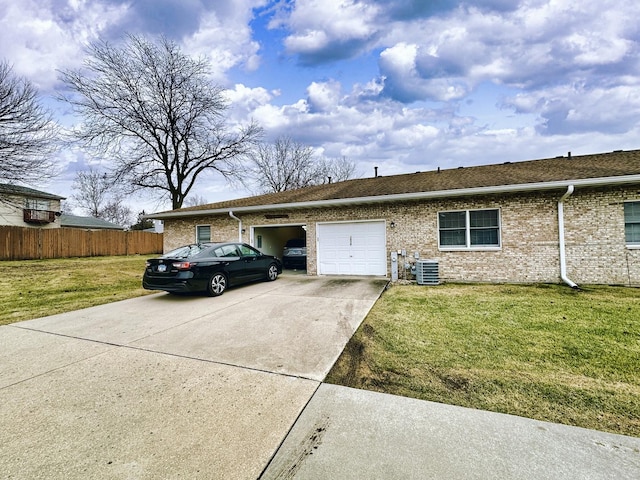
x=162 y=268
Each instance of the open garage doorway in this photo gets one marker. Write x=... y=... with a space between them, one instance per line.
x=272 y=240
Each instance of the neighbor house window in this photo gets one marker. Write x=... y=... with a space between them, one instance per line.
x=469 y=229
x=632 y=223
x=203 y=233
x=37 y=204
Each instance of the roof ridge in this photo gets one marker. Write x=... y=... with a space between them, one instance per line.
x=546 y=170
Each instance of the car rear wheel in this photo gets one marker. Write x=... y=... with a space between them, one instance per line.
x=272 y=272
x=217 y=284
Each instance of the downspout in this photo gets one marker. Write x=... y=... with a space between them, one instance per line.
x=563 y=259
x=239 y=225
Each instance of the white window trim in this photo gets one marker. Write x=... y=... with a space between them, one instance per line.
x=468 y=247
x=630 y=246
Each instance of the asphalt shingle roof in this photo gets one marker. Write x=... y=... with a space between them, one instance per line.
x=9 y=189
x=75 y=221
x=603 y=165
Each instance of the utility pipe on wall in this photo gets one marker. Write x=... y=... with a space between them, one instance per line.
x=239 y=225
x=563 y=259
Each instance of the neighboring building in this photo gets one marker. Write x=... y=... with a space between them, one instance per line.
x=26 y=207
x=87 y=223
x=573 y=219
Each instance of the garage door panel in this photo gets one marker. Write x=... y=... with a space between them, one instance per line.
x=357 y=248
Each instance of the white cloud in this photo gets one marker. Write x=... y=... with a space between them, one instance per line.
x=39 y=40
x=568 y=109
x=224 y=36
x=536 y=44
x=329 y=28
x=403 y=81
x=324 y=96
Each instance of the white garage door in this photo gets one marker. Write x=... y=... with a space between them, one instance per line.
x=357 y=248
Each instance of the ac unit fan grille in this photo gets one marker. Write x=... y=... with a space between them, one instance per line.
x=427 y=272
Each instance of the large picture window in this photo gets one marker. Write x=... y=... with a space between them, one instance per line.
x=469 y=229
x=632 y=223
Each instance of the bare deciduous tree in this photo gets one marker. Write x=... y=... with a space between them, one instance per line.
x=153 y=110
x=283 y=165
x=97 y=196
x=336 y=170
x=28 y=134
x=115 y=211
x=195 y=200
x=287 y=165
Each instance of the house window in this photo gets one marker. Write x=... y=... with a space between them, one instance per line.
x=469 y=229
x=37 y=204
x=632 y=223
x=203 y=233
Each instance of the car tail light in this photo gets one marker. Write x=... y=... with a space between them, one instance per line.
x=183 y=265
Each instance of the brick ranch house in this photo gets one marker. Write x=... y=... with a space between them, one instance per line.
x=574 y=219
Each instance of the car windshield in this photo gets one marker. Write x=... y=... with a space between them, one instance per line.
x=295 y=243
x=187 y=251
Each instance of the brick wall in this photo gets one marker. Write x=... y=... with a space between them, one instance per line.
x=595 y=241
x=594 y=231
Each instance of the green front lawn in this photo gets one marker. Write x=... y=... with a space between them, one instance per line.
x=37 y=288
x=543 y=351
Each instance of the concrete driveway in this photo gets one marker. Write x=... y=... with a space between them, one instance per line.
x=164 y=387
x=171 y=387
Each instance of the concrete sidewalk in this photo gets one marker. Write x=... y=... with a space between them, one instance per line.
x=164 y=387
x=354 y=434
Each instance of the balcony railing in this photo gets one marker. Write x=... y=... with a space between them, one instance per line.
x=39 y=216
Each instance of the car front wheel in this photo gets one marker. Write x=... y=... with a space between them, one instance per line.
x=217 y=284
x=272 y=272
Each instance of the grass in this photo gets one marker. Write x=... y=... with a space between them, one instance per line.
x=539 y=351
x=37 y=288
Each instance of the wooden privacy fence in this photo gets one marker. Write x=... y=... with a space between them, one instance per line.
x=22 y=243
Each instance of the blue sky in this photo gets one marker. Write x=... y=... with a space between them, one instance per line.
x=404 y=85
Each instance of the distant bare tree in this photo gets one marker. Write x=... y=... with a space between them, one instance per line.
x=115 y=211
x=28 y=134
x=153 y=110
x=287 y=165
x=283 y=165
x=91 y=191
x=336 y=170
x=195 y=200
x=97 y=196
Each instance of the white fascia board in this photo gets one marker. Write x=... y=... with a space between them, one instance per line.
x=460 y=192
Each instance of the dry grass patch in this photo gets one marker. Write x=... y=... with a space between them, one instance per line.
x=543 y=351
x=37 y=288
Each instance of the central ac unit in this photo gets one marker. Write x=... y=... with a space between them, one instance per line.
x=427 y=272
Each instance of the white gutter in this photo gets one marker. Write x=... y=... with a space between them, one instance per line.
x=239 y=225
x=563 y=259
x=460 y=192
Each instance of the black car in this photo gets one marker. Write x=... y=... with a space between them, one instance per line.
x=294 y=254
x=209 y=267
